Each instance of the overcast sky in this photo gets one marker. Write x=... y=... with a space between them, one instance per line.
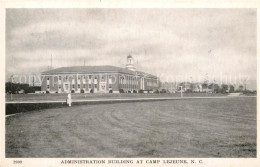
x=170 y=43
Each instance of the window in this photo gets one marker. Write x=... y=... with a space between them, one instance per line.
x=73 y=86
x=110 y=86
x=48 y=78
x=89 y=86
x=95 y=77
x=78 y=85
x=48 y=86
x=95 y=85
x=59 y=87
x=89 y=77
x=83 y=85
x=59 y=77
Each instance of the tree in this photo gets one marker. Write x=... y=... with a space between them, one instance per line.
x=214 y=87
x=205 y=85
x=181 y=85
x=192 y=87
x=224 y=88
x=240 y=88
x=231 y=88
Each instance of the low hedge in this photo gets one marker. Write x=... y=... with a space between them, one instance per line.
x=25 y=107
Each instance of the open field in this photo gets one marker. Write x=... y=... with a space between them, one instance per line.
x=31 y=102
x=172 y=128
x=34 y=97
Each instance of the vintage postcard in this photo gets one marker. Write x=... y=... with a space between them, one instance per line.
x=129 y=84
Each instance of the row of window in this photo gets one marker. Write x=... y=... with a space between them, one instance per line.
x=122 y=80
x=131 y=81
x=129 y=86
x=135 y=82
x=151 y=83
x=83 y=77
x=84 y=86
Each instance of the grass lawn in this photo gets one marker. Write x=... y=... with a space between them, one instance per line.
x=63 y=96
x=173 y=128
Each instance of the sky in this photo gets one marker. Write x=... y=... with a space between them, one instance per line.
x=175 y=44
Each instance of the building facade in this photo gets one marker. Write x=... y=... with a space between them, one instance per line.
x=98 y=79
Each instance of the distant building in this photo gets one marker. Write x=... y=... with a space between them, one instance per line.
x=98 y=79
x=190 y=87
x=197 y=87
x=169 y=87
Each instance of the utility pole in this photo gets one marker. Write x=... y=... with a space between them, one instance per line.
x=12 y=80
x=171 y=88
x=213 y=71
x=191 y=85
x=213 y=86
x=181 y=91
x=245 y=84
x=51 y=61
x=33 y=79
x=11 y=87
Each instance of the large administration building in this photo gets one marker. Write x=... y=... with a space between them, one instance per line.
x=98 y=79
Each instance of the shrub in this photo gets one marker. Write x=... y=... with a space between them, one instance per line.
x=188 y=91
x=134 y=91
x=47 y=92
x=249 y=92
x=91 y=91
x=140 y=91
x=110 y=91
x=156 y=91
x=72 y=91
x=82 y=91
x=163 y=91
x=13 y=87
x=129 y=91
x=121 y=91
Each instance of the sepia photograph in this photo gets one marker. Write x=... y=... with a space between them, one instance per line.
x=130 y=83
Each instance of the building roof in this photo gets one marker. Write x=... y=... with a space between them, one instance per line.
x=93 y=69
